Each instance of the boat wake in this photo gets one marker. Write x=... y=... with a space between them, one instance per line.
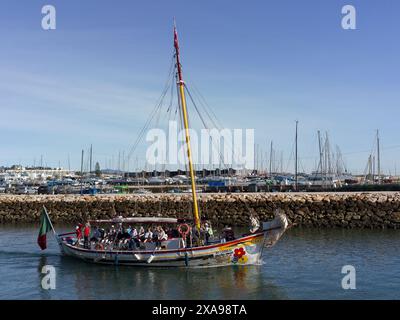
x=28 y=254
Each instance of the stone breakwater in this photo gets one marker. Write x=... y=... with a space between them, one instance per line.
x=346 y=210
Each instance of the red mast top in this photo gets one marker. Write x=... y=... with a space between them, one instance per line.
x=176 y=45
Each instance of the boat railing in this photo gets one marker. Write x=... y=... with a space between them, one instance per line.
x=66 y=234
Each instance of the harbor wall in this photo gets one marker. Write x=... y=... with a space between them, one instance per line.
x=344 y=210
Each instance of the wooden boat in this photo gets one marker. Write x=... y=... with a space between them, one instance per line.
x=244 y=250
x=177 y=251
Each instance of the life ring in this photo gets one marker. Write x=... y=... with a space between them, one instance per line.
x=99 y=246
x=183 y=229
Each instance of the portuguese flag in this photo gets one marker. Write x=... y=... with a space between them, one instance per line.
x=45 y=226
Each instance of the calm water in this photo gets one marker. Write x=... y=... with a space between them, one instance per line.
x=305 y=264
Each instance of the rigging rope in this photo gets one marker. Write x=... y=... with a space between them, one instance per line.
x=153 y=113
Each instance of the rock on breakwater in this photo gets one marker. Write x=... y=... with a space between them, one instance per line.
x=349 y=210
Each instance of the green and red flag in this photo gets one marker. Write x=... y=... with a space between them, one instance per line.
x=45 y=226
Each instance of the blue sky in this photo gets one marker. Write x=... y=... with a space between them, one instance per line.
x=260 y=64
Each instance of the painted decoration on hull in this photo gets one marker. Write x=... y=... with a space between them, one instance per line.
x=240 y=255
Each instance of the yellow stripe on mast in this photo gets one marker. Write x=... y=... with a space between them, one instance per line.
x=181 y=85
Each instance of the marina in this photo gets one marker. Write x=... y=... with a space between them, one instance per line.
x=330 y=174
x=59 y=181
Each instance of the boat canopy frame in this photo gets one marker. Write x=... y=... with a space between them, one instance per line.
x=143 y=220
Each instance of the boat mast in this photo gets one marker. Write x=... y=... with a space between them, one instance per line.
x=379 y=156
x=295 y=161
x=181 y=85
x=320 y=156
x=82 y=171
x=270 y=159
x=91 y=161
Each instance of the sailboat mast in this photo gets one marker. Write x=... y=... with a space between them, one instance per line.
x=296 y=161
x=82 y=171
x=181 y=85
x=270 y=159
x=320 y=155
x=90 y=160
x=379 y=156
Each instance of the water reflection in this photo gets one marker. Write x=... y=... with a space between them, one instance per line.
x=92 y=281
x=44 y=294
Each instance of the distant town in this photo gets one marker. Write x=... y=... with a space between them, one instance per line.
x=18 y=179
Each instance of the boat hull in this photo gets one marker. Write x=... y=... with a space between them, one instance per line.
x=243 y=251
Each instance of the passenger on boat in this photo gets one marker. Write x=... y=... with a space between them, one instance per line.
x=174 y=233
x=202 y=238
x=208 y=232
x=195 y=233
x=209 y=229
x=161 y=236
x=122 y=234
x=204 y=234
x=112 y=232
x=86 y=234
x=188 y=240
x=141 y=234
x=148 y=236
x=96 y=235
x=135 y=237
x=102 y=233
x=129 y=229
x=123 y=238
x=78 y=232
x=228 y=234
x=155 y=234
x=133 y=232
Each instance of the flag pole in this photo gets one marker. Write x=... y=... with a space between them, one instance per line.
x=48 y=218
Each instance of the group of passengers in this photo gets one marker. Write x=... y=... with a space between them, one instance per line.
x=131 y=238
x=152 y=234
x=197 y=237
x=123 y=238
x=83 y=230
